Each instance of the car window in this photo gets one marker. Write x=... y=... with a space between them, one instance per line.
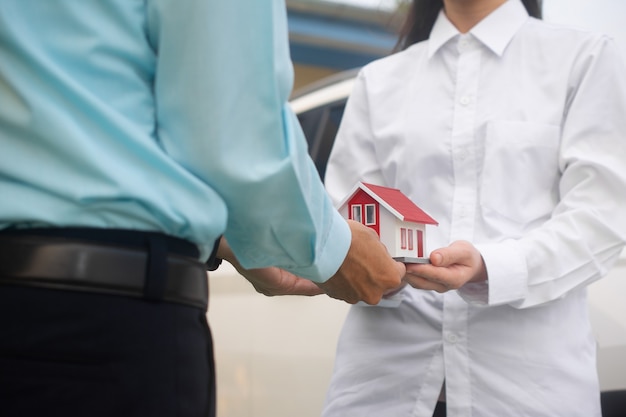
x=320 y=127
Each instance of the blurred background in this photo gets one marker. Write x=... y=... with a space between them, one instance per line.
x=328 y=36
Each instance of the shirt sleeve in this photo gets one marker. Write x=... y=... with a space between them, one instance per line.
x=587 y=229
x=223 y=78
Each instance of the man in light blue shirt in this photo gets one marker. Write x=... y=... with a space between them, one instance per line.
x=133 y=135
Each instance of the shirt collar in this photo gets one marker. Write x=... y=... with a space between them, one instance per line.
x=495 y=31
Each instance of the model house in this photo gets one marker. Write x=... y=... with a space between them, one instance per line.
x=400 y=224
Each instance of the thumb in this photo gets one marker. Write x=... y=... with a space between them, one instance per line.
x=437 y=258
x=457 y=252
x=401 y=268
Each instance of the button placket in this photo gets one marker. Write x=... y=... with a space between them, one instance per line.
x=463 y=149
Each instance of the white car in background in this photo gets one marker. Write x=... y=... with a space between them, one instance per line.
x=274 y=355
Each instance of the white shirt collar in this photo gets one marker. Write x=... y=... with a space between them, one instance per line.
x=495 y=31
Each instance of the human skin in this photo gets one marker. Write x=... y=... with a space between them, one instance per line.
x=450 y=268
x=465 y=14
x=367 y=273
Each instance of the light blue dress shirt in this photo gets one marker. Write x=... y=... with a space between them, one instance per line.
x=161 y=115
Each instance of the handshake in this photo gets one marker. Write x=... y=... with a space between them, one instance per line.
x=368 y=271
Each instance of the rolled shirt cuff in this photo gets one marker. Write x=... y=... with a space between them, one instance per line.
x=331 y=254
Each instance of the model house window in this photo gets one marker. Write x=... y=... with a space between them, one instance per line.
x=420 y=243
x=402 y=238
x=357 y=213
x=370 y=214
x=410 y=239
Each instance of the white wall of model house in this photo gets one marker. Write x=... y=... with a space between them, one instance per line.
x=401 y=238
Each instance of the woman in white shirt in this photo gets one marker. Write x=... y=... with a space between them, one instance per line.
x=511 y=133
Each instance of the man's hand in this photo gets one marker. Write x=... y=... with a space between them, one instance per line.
x=450 y=268
x=368 y=272
x=269 y=281
x=273 y=281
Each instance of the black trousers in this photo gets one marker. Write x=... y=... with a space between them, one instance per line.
x=83 y=354
x=77 y=354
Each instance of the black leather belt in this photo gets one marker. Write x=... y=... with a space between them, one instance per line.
x=94 y=267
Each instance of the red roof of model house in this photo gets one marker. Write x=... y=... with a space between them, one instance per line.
x=394 y=201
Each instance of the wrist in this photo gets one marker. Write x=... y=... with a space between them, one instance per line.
x=215 y=259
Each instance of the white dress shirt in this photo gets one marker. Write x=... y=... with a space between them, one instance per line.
x=513 y=137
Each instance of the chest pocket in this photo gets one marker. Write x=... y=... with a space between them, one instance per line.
x=520 y=171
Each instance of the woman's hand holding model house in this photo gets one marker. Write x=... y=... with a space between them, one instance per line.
x=450 y=268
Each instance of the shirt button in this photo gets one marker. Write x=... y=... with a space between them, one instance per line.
x=465 y=100
x=452 y=338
